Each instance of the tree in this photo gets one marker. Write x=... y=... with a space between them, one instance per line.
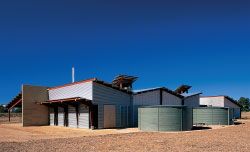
x=245 y=103
x=2 y=109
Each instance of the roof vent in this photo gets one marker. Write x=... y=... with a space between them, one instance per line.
x=182 y=89
x=124 y=82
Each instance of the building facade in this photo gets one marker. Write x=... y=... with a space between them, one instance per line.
x=221 y=101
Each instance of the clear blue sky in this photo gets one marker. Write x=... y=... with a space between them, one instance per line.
x=203 y=43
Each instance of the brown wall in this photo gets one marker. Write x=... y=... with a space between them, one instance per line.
x=34 y=114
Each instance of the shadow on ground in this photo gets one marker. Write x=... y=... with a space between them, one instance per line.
x=201 y=128
x=238 y=123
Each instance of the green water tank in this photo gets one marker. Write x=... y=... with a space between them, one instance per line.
x=212 y=116
x=165 y=118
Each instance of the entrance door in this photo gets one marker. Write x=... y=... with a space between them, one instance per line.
x=94 y=116
x=109 y=116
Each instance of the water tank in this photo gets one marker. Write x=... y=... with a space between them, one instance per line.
x=212 y=116
x=165 y=118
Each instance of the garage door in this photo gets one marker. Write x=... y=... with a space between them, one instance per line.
x=60 y=116
x=51 y=116
x=72 y=117
x=83 y=117
x=109 y=116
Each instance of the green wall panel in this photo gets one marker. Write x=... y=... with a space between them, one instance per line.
x=165 y=118
x=212 y=116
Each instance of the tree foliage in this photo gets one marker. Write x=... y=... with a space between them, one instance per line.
x=2 y=109
x=245 y=103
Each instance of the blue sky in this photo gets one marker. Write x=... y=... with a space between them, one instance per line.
x=205 y=44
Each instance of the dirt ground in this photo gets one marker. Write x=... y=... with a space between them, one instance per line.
x=13 y=137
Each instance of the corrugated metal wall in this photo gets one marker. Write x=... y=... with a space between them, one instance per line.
x=212 y=116
x=212 y=101
x=187 y=115
x=221 y=102
x=135 y=115
x=236 y=108
x=170 y=119
x=83 y=90
x=152 y=98
x=103 y=95
x=193 y=101
x=169 y=99
x=163 y=118
x=124 y=116
x=237 y=113
x=148 y=119
x=147 y=98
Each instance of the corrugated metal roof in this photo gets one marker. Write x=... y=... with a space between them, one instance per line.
x=15 y=101
x=157 y=88
x=147 y=89
x=190 y=94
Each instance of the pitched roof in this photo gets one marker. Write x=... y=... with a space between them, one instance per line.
x=16 y=101
x=187 y=95
x=70 y=84
x=93 y=80
x=157 y=88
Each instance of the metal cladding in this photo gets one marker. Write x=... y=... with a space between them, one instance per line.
x=72 y=117
x=165 y=118
x=83 y=117
x=212 y=116
x=51 y=116
x=61 y=116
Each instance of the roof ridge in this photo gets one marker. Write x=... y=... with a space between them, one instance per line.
x=74 y=83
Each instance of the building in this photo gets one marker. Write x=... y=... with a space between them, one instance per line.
x=162 y=96
x=191 y=99
x=93 y=103
x=221 y=101
x=86 y=104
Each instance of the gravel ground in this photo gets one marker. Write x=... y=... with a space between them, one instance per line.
x=232 y=138
x=15 y=118
x=245 y=115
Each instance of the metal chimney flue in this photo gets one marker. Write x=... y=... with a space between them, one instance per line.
x=73 y=74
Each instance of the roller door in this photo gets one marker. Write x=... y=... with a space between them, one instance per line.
x=83 y=117
x=72 y=117
x=51 y=116
x=60 y=116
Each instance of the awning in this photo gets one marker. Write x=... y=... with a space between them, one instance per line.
x=17 y=101
x=68 y=101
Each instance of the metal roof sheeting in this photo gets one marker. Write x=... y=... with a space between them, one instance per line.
x=190 y=94
x=158 y=88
